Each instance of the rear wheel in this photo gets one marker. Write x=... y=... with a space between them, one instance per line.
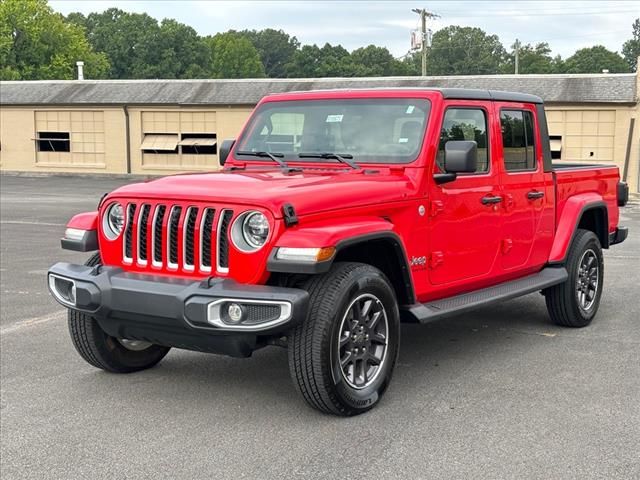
x=575 y=302
x=117 y=355
x=342 y=357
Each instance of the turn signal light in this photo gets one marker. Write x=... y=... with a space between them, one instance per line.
x=305 y=254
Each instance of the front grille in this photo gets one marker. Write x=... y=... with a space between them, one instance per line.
x=156 y=238
x=128 y=233
x=206 y=230
x=143 y=225
x=178 y=237
x=189 y=247
x=174 y=225
x=223 y=240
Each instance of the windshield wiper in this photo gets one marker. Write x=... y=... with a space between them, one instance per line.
x=276 y=157
x=344 y=158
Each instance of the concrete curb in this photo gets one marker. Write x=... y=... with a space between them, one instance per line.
x=123 y=176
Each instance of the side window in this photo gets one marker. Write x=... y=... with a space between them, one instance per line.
x=518 y=140
x=465 y=124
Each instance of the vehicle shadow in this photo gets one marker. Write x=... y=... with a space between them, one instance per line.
x=432 y=357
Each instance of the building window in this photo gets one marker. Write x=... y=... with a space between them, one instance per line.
x=556 y=146
x=165 y=143
x=465 y=124
x=198 y=143
x=53 y=142
x=517 y=140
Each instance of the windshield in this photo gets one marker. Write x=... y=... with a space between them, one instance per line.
x=369 y=130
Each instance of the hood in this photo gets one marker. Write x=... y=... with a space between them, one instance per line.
x=310 y=191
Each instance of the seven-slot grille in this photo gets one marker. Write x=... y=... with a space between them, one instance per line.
x=177 y=237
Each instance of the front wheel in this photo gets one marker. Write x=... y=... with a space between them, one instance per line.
x=575 y=302
x=117 y=355
x=342 y=357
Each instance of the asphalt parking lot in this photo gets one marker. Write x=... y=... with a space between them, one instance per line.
x=499 y=393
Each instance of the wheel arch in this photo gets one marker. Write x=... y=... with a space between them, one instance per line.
x=386 y=252
x=383 y=250
x=592 y=216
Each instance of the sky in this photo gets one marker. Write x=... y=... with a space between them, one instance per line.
x=565 y=25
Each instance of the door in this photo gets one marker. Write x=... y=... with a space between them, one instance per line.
x=465 y=214
x=523 y=183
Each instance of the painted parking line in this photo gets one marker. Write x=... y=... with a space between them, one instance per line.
x=27 y=222
x=32 y=322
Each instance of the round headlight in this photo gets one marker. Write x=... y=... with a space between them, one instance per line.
x=113 y=221
x=255 y=229
x=250 y=231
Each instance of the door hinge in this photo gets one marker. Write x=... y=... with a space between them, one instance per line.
x=507 y=243
x=435 y=207
x=508 y=201
x=436 y=259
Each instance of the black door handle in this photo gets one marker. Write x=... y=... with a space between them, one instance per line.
x=534 y=195
x=490 y=200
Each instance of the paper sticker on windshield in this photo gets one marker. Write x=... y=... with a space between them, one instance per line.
x=403 y=140
x=410 y=109
x=334 y=118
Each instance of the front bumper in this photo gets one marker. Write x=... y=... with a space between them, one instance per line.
x=177 y=312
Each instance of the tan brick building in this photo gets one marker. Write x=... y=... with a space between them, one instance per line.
x=152 y=127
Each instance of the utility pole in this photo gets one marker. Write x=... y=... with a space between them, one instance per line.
x=517 y=48
x=423 y=17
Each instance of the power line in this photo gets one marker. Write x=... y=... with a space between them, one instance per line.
x=538 y=14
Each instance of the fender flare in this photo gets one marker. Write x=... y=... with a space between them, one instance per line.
x=87 y=222
x=84 y=221
x=379 y=230
x=571 y=216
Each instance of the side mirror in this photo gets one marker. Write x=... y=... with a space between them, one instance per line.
x=223 y=151
x=460 y=156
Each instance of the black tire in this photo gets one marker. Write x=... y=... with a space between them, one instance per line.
x=315 y=346
x=566 y=303
x=106 y=352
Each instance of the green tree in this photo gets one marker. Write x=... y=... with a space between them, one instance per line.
x=312 y=61
x=175 y=51
x=234 y=56
x=631 y=48
x=594 y=60
x=37 y=44
x=372 y=61
x=139 y=47
x=533 y=59
x=276 y=49
x=465 y=51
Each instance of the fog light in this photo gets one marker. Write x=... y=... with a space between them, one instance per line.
x=235 y=313
x=63 y=289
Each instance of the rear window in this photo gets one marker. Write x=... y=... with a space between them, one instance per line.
x=370 y=130
x=517 y=140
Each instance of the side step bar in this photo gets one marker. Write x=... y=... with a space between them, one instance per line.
x=446 y=307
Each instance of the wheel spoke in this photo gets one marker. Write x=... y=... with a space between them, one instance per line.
x=345 y=338
x=357 y=311
x=364 y=312
x=374 y=320
x=346 y=360
x=379 y=338
x=373 y=360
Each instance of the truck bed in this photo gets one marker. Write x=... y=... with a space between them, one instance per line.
x=574 y=179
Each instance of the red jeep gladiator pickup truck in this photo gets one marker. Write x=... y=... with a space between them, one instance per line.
x=337 y=215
